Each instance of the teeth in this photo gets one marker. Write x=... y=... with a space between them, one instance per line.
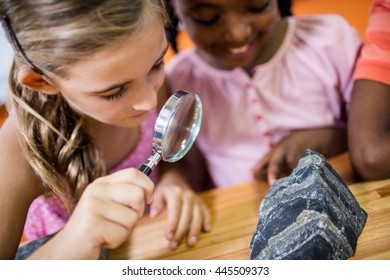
x=239 y=50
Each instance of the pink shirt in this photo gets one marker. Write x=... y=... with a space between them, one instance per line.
x=374 y=63
x=48 y=215
x=304 y=85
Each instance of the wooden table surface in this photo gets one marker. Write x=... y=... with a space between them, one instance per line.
x=235 y=215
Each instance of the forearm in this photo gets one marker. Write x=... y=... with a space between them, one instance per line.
x=328 y=141
x=369 y=129
x=55 y=248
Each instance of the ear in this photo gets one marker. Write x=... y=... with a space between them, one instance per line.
x=36 y=82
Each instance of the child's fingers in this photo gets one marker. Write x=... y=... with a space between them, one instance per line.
x=206 y=218
x=126 y=194
x=195 y=227
x=101 y=222
x=157 y=205
x=174 y=207
x=184 y=222
x=120 y=214
x=131 y=176
x=259 y=170
x=114 y=233
x=275 y=166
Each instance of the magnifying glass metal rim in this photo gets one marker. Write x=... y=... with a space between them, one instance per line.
x=160 y=130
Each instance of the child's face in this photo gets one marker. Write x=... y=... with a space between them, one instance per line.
x=228 y=33
x=118 y=86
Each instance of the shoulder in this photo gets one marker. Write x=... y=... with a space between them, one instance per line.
x=181 y=60
x=18 y=187
x=325 y=29
x=328 y=39
x=15 y=171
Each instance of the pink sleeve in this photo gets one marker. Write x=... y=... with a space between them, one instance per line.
x=374 y=63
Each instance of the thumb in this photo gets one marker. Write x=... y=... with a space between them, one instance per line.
x=275 y=166
x=272 y=173
x=260 y=167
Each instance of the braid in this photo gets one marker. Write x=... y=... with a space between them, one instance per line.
x=56 y=145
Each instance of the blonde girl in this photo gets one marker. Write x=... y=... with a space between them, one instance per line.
x=83 y=94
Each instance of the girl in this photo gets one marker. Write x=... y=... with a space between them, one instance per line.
x=271 y=87
x=83 y=84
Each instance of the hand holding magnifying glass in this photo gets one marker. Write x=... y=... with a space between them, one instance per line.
x=176 y=129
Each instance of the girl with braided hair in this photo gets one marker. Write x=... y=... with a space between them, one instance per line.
x=84 y=88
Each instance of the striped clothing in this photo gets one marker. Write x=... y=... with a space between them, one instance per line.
x=374 y=63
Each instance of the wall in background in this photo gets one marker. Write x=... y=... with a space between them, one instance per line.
x=354 y=11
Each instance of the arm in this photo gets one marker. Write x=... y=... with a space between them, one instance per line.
x=18 y=188
x=369 y=120
x=104 y=216
x=369 y=129
x=187 y=213
x=283 y=157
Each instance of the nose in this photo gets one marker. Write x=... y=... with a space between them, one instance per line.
x=236 y=28
x=146 y=98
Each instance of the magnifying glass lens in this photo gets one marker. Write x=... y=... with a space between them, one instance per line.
x=179 y=131
x=176 y=129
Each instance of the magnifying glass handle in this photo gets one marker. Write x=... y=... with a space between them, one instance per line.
x=146 y=169
x=151 y=162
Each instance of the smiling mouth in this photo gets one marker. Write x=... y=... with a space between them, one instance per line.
x=239 y=50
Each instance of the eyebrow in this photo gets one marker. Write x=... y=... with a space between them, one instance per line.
x=115 y=86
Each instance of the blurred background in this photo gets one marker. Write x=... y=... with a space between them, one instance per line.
x=354 y=11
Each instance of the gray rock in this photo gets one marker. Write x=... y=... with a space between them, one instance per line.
x=310 y=214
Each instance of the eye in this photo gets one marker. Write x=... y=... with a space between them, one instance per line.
x=204 y=15
x=257 y=10
x=158 y=65
x=206 y=22
x=117 y=95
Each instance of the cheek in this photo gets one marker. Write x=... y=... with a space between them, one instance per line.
x=95 y=108
x=109 y=112
x=92 y=107
x=204 y=38
x=197 y=33
x=267 y=21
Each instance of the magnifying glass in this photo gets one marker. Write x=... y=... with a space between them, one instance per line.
x=176 y=129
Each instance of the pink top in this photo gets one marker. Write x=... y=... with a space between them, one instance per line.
x=374 y=63
x=304 y=85
x=48 y=215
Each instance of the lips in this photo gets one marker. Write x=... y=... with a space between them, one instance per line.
x=239 y=50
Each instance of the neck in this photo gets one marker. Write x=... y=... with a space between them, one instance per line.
x=272 y=46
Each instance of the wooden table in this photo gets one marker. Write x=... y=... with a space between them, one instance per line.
x=235 y=215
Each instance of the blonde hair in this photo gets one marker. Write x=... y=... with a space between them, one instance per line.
x=54 y=35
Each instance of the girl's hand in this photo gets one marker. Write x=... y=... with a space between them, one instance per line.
x=105 y=215
x=283 y=157
x=186 y=211
x=278 y=162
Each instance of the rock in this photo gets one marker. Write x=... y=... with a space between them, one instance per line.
x=310 y=214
